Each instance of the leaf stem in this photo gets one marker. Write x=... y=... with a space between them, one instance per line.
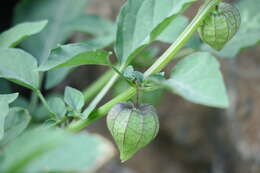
x=39 y=94
x=158 y=65
x=101 y=94
x=94 y=88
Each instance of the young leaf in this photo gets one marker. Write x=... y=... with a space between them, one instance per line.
x=57 y=105
x=74 y=98
x=74 y=55
x=20 y=32
x=5 y=100
x=16 y=122
x=154 y=97
x=19 y=67
x=197 y=78
x=59 y=13
x=55 y=150
x=129 y=73
x=141 y=21
x=248 y=34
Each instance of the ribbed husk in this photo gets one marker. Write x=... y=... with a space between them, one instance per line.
x=220 y=26
x=132 y=128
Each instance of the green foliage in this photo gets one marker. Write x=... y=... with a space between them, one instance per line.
x=5 y=100
x=132 y=127
x=171 y=33
x=4 y=111
x=74 y=55
x=9 y=98
x=104 y=34
x=154 y=97
x=57 y=106
x=59 y=28
x=95 y=25
x=134 y=76
x=74 y=98
x=20 y=32
x=5 y=87
x=19 y=67
x=54 y=77
x=141 y=21
x=54 y=150
x=15 y=123
x=197 y=78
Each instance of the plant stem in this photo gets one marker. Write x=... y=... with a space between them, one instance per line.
x=97 y=85
x=158 y=65
x=33 y=102
x=91 y=91
x=101 y=94
x=39 y=94
x=34 y=98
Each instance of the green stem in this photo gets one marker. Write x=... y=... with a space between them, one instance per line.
x=156 y=67
x=45 y=104
x=92 y=91
x=97 y=85
x=34 y=98
x=33 y=102
x=101 y=94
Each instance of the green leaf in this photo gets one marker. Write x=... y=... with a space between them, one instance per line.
x=170 y=34
x=129 y=73
x=94 y=25
x=4 y=111
x=74 y=55
x=20 y=102
x=41 y=114
x=141 y=21
x=104 y=35
x=74 y=98
x=19 y=67
x=57 y=105
x=82 y=153
x=198 y=79
x=16 y=122
x=20 y=32
x=5 y=86
x=248 y=34
x=30 y=146
x=5 y=100
x=42 y=149
x=59 y=13
x=132 y=75
x=152 y=97
x=55 y=76
x=8 y=98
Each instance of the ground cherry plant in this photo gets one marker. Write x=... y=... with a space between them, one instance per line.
x=41 y=134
